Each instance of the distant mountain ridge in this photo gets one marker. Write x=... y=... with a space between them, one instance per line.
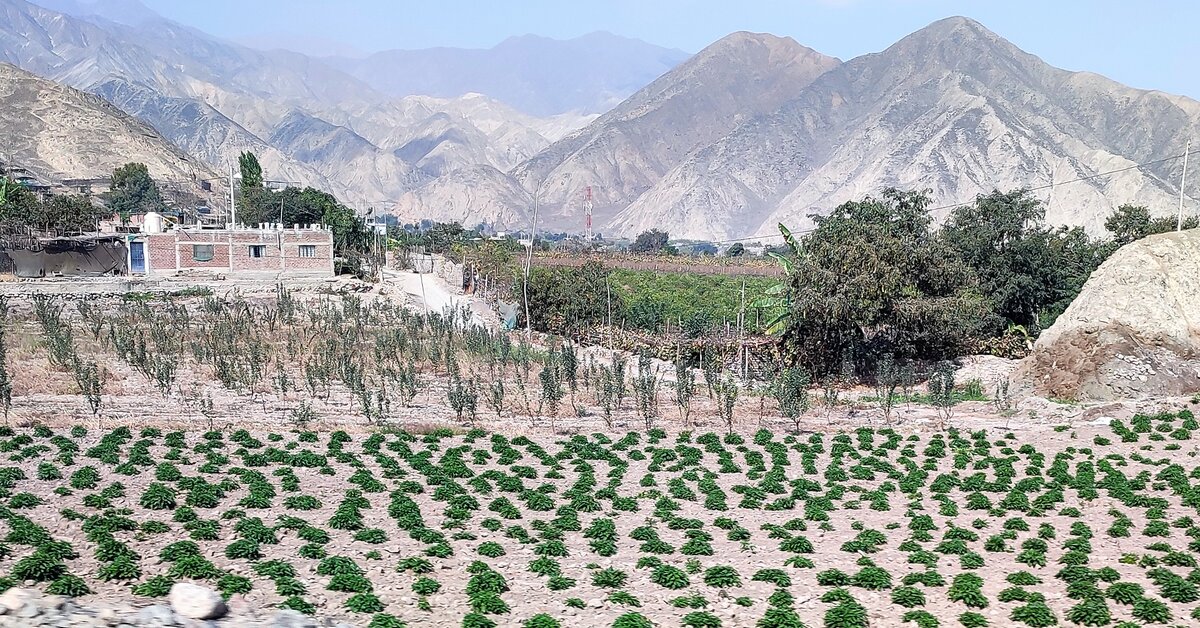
x=952 y=108
x=752 y=131
x=537 y=75
x=50 y=129
x=215 y=99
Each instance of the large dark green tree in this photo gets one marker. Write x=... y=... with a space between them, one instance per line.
x=873 y=279
x=1026 y=269
x=133 y=191
x=652 y=242
x=310 y=206
x=70 y=213
x=23 y=210
x=568 y=298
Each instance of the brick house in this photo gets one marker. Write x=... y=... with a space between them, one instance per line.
x=296 y=251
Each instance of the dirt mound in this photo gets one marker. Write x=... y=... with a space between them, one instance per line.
x=1134 y=330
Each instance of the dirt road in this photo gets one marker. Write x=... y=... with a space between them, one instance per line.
x=432 y=292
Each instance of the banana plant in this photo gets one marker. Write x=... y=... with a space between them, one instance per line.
x=776 y=297
x=3 y=191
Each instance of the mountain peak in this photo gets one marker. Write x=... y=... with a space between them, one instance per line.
x=751 y=36
x=955 y=32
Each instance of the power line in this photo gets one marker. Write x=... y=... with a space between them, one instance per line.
x=957 y=205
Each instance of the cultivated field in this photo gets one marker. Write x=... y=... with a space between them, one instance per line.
x=342 y=456
x=1092 y=526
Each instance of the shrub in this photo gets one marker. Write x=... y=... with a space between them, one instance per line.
x=632 y=620
x=158 y=497
x=778 y=577
x=158 y=586
x=426 y=586
x=847 y=614
x=972 y=620
x=491 y=549
x=908 y=597
x=701 y=619
x=722 y=577
x=364 y=603
x=1034 y=614
x=669 y=577
x=609 y=578
x=541 y=620
x=68 y=585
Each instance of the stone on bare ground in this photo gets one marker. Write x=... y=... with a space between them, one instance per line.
x=288 y=618
x=196 y=602
x=156 y=615
x=15 y=598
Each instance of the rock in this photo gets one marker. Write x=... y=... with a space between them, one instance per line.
x=15 y=598
x=288 y=618
x=28 y=610
x=196 y=602
x=52 y=602
x=157 y=615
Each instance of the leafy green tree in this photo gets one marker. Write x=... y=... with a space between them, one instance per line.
x=1024 y=268
x=563 y=298
x=21 y=207
x=650 y=242
x=439 y=237
x=309 y=206
x=736 y=250
x=871 y=279
x=1129 y=223
x=252 y=174
x=71 y=212
x=133 y=191
x=62 y=213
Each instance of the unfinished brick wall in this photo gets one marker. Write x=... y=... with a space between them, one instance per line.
x=279 y=251
x=186 y=244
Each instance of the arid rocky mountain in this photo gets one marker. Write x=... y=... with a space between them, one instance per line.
x=537 y=75
x=53 y=131
x=205 y=133
x=626 y=151
x=952 y=108
x=216 y=99
x=756 y=130
x=470 y=196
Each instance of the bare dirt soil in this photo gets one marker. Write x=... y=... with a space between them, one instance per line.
x=708 y=501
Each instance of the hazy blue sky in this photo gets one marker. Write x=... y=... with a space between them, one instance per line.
x=1149 y=44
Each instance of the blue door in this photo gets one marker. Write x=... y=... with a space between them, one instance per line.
x=137 y=257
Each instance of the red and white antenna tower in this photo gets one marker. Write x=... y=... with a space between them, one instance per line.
x=587 y=210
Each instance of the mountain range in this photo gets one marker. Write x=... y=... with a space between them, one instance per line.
x=52 y=131
x=309 y=122
x=757 y=130
x=537 y=75
x=753 y=131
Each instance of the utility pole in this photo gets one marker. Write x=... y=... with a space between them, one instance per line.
x=1182 y=179
x=232 y=208
x=587 y=208
x=529 y=258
